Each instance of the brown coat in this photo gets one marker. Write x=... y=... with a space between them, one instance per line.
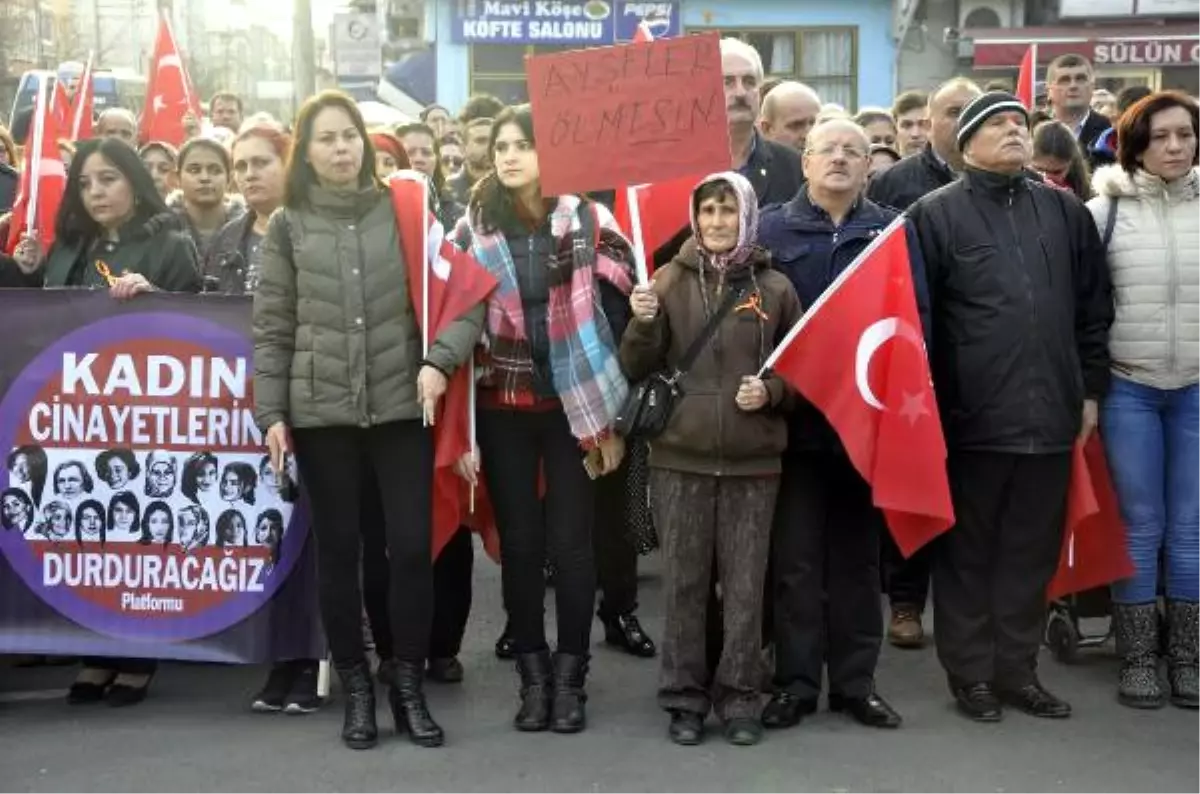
x=708 y=433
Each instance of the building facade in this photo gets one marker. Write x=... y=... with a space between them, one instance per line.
x=1130 y=42
x=846 y=51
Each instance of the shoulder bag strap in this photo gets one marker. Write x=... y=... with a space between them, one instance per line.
x=732 y=296
x=1110 y=222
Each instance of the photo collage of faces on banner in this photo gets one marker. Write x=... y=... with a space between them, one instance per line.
x=154 y=498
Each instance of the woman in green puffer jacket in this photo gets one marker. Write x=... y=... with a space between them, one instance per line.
x=339 y=371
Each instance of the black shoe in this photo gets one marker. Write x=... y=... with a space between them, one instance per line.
x=569 y=712
x=505 y=646
x=273 y=694
x=687 y=728
x=626 y=633
x=407 y=699
x=84 y=692
x=302 y=697
x=1033 y=699
x=537 y=692
x=743 y=731
x=786 y=710
x=872 y=710
x=359 y=731
x=448 y=670
x=979 y=702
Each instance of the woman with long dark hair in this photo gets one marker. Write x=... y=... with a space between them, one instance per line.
x=339 y=371
x=548 y=402
x=89 y=522
x=113 y=230
x=124 y=516
x=1058 y=158
x=27 y=469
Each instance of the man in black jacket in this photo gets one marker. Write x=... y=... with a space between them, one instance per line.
x=1021 y=306
x=938 y=165
x=1070 y=82
x=907 y=580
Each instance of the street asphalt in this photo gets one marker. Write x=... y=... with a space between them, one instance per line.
x=196 y=733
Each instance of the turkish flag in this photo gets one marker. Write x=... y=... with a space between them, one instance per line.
x=1094 y=551
x=1027 y=78
x=169 y=91
x=859 y=356
x=663 y=212
x=458 y=284
x=82 y=106
x=60 y=105
x=43 y=179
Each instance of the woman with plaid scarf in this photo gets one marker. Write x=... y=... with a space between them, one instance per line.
x=550 y=389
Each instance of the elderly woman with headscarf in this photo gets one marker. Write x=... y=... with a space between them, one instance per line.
x=715 y=468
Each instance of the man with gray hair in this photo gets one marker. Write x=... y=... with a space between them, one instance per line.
x=118 y=123
x=825 y=543
x=789 y=111
x=772 y=169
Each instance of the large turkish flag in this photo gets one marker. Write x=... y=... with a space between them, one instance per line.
x=859 y=356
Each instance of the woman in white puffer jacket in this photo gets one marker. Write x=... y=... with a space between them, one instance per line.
x=1147 y=207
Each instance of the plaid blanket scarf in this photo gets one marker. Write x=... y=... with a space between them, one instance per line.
x=583 y=354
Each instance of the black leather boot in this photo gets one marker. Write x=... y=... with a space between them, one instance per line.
x=359 y=731
x=1183 y=623
x=407 y=699
x=1136 y=627
x=536 y=691
x=570 y=675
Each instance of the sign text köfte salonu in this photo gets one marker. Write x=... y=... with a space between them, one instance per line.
x=578 y=22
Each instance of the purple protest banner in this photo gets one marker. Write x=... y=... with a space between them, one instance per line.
x=140 y=516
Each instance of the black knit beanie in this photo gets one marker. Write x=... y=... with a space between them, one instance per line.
x=984 y=107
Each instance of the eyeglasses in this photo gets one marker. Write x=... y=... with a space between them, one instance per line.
x=831 y=149
x=452 y=162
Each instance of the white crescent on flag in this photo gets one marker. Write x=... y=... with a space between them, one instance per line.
x=170 y=60
x=871 y=340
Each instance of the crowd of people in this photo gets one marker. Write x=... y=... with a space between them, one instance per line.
x=1055 y=260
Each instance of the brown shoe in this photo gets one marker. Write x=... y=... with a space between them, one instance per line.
x=905 y=630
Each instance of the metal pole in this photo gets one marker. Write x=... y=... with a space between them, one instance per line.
x=304 y=58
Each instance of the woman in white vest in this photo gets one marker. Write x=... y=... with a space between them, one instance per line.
x=1146 y=208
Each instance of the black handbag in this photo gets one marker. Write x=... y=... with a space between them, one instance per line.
x=647 y=409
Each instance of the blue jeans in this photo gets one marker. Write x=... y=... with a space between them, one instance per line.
x=1153 y=444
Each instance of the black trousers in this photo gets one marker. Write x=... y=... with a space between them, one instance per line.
x=992 y=568
x=452 y=594
x=334 y=463
x=906 y=580
x=515 y=446
x=825 y=562
x=612 y=545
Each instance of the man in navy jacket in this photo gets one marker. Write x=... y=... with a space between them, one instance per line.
x=825 y=542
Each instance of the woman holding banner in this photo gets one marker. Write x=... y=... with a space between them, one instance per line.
x=545 y=407
x=113 y=230
x=339 y=372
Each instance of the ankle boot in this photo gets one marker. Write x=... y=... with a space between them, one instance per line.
x=359 y=731
x=1136 y=627
x=406 y=696
x=570 y=674
x=1182 y=629
x=536 y=691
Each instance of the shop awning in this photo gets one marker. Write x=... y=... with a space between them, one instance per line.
x=1127 y=46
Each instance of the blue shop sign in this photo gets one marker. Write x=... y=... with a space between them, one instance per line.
x=571 y=22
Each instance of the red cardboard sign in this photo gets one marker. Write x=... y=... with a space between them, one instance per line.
x=612 y=116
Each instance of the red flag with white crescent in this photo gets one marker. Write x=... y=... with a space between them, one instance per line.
x=43 y=178
x=169 y=92
x=858 y=355
x=444 y=283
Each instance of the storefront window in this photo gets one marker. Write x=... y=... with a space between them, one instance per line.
x=824 y=58
x=499 y=69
